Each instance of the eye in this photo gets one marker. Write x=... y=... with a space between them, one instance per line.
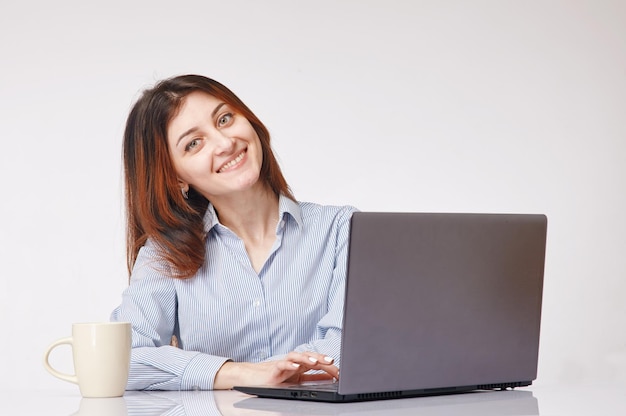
x=192 y=145
x=225 y=119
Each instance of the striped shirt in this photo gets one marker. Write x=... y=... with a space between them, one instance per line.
x=228 y=311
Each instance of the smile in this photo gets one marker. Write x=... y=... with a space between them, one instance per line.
x=232 y=162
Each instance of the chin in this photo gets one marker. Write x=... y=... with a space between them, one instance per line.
x=249 y=182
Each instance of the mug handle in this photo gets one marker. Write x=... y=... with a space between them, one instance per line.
x=67 y=377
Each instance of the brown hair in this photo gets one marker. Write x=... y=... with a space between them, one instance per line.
x=155 y=206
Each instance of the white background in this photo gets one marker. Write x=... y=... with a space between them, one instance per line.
x=475 y=106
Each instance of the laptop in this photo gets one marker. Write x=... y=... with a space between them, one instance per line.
x=435 y=303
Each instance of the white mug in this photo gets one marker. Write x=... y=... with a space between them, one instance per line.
x=101 y=352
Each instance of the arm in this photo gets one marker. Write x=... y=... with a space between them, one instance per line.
x=149 y=303
x=291 y=368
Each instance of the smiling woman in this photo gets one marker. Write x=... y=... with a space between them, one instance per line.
x=221 y=255
x=158 y=205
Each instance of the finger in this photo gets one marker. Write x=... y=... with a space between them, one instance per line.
x=314 y=361
x=330 y=369
x=320 y=359
x=310 y=358
x=316 y=364
x=290 y=366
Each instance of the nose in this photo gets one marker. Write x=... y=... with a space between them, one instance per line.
x=223 y=144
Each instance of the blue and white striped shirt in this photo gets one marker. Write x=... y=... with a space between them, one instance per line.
x=228 y=311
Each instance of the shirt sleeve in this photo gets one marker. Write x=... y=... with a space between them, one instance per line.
x=327 y=339
x=149 y=304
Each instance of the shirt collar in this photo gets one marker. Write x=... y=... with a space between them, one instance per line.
x=291 y=207
x=285 y=206
x=210 y=218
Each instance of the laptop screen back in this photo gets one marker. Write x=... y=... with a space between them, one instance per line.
x=441 y=300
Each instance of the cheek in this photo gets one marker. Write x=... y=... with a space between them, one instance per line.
x=259 y=155
x=191 y=170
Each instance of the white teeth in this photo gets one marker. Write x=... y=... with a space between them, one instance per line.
x=232 y=162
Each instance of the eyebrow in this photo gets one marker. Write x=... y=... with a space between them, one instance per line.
x=194 y=129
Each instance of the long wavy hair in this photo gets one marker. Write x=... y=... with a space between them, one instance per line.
x=155 y=206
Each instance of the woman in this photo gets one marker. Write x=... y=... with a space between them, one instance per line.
x=222 y=257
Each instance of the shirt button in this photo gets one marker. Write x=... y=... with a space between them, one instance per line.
x=256 y=303
x=262 y=355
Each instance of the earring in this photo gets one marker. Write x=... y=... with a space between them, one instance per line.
x=185 y=193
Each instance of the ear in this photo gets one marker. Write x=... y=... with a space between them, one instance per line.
x=184 y=186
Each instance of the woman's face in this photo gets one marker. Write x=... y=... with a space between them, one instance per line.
x=214 y=149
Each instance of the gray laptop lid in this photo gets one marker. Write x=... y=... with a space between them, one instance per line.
x=442 y=300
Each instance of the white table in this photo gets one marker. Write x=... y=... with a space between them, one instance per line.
x=578 y=399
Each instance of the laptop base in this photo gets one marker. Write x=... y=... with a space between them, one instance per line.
x=308 y=392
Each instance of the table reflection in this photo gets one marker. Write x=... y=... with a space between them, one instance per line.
x=226 y=403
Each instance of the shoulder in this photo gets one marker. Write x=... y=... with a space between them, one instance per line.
x=150 y=263
x=313 y=213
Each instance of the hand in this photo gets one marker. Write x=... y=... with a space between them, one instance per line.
x=291 y=369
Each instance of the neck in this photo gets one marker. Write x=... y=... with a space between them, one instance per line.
x=251 y=215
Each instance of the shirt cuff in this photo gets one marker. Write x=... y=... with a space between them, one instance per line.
x=200 y=372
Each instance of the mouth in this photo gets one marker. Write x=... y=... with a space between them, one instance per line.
x=230 y=164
